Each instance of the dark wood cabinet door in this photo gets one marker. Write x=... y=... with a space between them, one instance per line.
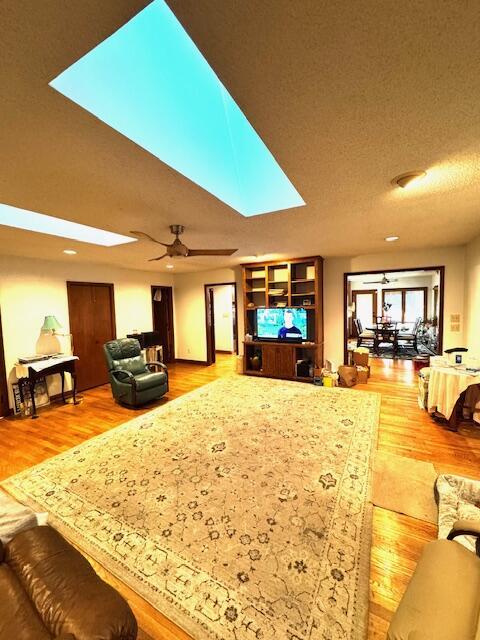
x=4 y=406
x=92 y=323
x=268 y=360
x=284 y=362
x=277 y=361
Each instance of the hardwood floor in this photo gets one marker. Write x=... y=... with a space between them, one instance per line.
x=404 y=430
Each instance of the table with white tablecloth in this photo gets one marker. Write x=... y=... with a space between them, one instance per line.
x=445 y=388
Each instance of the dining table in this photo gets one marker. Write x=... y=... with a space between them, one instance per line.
x=447 y=390
x=385 y=332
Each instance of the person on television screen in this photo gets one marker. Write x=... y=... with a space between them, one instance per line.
x=289 y=330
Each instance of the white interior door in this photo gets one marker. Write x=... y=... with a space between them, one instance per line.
x=365 y=307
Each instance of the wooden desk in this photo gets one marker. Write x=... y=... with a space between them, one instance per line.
x=48 y=368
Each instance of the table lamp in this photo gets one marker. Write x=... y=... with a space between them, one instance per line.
x=50 y=328
x=50 y=325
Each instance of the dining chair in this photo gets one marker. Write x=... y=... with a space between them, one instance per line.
x=386 y=335
x=363 y=335
x=411 y=336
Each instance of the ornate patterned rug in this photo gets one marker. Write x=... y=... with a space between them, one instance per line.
x=241 y=510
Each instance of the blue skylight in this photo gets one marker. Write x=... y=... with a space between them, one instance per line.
x=41 y=223
x=151 y=83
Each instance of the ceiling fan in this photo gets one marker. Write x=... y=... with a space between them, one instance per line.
x=177 y=249
x=384 y=280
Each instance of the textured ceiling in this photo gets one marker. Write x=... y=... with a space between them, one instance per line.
x=345 y=94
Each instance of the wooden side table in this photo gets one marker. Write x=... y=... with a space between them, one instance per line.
x=65 y=366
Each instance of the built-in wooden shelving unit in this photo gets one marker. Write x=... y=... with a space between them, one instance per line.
x=294 y=283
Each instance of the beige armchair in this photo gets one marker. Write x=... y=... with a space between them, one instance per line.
x=442 y=601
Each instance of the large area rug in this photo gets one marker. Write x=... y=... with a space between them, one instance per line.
x=241 y=510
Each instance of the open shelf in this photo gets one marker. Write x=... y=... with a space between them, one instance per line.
x=298 y=280
x=303 y=293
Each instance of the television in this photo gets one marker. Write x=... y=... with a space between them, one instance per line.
x=282 y=324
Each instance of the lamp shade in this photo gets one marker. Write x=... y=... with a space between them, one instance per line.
x=51 y=324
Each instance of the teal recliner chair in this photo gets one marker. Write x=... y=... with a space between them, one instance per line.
x=134 y=382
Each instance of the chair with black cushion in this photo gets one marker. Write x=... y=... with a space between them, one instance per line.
x=134 y=381
x=363 y=336
x=411 y=336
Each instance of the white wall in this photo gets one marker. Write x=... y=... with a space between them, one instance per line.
x=31 y=289
x=472 y=297
x=222 y=308
x=190 y=332
x=453 y=258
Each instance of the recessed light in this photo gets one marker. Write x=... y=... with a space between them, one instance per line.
x=169 y=266
x=405 y=179
x=42 y=223
x=391 y=238
x=70 y=252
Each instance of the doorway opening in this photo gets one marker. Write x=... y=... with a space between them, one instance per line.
x=162 y=310
x=221 y=319
x=91 y=310
x=395 y=314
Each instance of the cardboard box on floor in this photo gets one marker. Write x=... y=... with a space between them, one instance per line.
x=363 y=374
x=360 y=359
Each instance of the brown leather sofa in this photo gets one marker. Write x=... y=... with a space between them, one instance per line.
x=49 y=591
x=442 y=601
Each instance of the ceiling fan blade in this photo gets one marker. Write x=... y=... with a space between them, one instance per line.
x=211 y=252
x=159 y=257
x=141 y=234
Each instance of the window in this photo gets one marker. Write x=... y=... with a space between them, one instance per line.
x=407 y=304
x=414 y=305
x=395 y=299
x=151 y=83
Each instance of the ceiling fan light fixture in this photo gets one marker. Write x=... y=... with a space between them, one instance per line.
x=169 y=266
x=392 y=238
x=405 y=179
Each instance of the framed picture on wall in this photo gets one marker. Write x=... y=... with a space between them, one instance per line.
x=42 y=397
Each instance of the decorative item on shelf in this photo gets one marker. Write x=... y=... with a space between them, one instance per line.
x=248 y=337
x=276 y=292
x=307 y=302
x=281 y=304
x=250 y=304
x=256 y=361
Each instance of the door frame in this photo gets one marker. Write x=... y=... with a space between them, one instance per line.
x=4 y=406
x=209 y=321
x=441 y=271
x=172 y=332
x=71 y=284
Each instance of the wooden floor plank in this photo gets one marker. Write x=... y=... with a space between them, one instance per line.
x=404 y=430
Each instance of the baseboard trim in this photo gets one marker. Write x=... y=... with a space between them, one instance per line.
x=224 y=351
x=58 y=396
x=187 y=361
